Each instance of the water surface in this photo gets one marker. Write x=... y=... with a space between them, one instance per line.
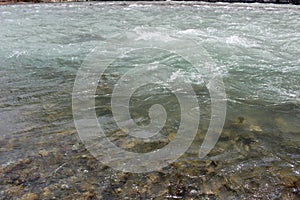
x=254 y=47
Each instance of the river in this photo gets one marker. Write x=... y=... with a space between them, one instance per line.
x=254 y=48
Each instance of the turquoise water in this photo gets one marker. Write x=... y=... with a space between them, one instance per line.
x=254 y=47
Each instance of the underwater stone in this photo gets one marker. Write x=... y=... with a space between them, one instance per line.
x=254 y=128
x=29 y=196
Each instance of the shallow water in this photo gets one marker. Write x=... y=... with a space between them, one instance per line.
x=254 y=47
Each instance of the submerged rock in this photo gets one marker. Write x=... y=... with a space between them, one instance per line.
x=242 y=123
x=255 y=128
x=29 y=196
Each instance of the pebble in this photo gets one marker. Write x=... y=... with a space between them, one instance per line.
x=193 y=192
x=171 y=136
x=247 y=148
x=43 y=153
x=118 y=190
x=128 y=144
x=46 y=192
x=254 y=128
x=75 y=147
x=65 y=186
x=29 y=196
x=84 y=156
x=153 y=178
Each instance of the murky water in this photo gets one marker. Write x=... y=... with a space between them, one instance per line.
x=254 y=47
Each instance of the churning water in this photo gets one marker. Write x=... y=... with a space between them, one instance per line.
x=255 y=48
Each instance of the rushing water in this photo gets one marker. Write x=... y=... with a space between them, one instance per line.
x=254 y=47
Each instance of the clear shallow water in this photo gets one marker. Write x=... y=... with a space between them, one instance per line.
x=255 y=48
